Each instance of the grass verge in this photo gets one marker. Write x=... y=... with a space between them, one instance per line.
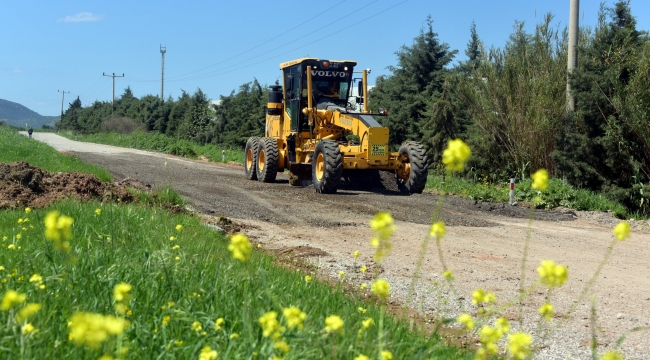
x=16 y=147
x=557 y=194
x=188 y=276
x=161 y=143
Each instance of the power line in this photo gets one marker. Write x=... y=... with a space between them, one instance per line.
x=264 y=43
x=220 y=72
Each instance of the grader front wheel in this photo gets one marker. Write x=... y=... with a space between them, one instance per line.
x=327 y=167
x=414 y=168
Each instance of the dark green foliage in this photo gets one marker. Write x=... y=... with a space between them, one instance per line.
x=415 y=82
x=608 y=147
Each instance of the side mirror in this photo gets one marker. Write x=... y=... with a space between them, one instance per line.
x=360 y=89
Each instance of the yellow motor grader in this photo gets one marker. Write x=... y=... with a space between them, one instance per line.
x=312 y=131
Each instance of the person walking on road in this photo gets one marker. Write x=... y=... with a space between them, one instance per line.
x=30 y=132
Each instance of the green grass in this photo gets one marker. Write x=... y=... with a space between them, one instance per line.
x=131 y=243
x=161 y=143
x=557 y=194
x=196 y=282
x=16 y=147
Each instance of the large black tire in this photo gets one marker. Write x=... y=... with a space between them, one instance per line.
x=267 y=159
x=326 y=167
x=414 y=169
x=250 y=157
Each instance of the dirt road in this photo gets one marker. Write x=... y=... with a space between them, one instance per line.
x=483 y=246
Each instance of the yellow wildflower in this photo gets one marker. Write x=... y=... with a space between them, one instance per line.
x=467 y=320
x=437 y=230
x=28 y=210
x=121 y=292
x=208 y=354
x=282 y=346
x=622 y=230
x=28 y=329
x=218 y=323
x=270 y=324
x=519 y=345
x=363 y=269
x=196 y=326
x=381 y=288
x=178 y=258
x=540 y=180
x=361 y=357
x=448 y=275
x=179 y=227
x=456 y=155
x=58 y=228
x=479 y=296
x=363 y=286
x=106 y=357
x=234 y=336
x=294 y=317
x=502 y=325
x=307 y=278
x=341 y=274
x=176 y=247
x=98 y=211
x=27 y=311
x=386 y=355
x=356 y=254
x=93 y=329
x=361 y=310
x=546 y=311
x=171 y=238
x=334 y=323
x=12 y=246
x=382 y=225
x=20 y=221
x=178 y=342
x=11 y=298
x=368 y=322
x=240 y=247
x=612 y=355
x=551 y=274
x=166 y=320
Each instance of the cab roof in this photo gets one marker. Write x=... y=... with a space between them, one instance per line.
x=298 y=61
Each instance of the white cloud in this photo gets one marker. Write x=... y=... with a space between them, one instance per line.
x=81 y=17
x=18 y=70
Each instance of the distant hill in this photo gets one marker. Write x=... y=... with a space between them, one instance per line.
x=17 y=115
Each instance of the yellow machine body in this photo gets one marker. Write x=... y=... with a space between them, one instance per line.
x=336 y=123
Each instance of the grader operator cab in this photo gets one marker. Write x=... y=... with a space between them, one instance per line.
x=312 y=131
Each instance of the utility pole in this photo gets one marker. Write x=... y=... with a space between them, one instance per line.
x=572 y=53
x=163 y=50
x=113 y=98
x=62 y=97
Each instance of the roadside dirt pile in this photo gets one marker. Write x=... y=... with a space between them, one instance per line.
x=24 y=185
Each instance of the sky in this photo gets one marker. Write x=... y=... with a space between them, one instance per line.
x=67 y=45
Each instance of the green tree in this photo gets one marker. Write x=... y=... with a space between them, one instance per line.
x=608 y=147
x=413 y=84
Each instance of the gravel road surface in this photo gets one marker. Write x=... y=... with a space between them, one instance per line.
x=483 y=246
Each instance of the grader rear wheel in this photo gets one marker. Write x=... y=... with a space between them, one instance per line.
x=414 y=168
x=326 y=167
x=267 y=159
x=250 y=157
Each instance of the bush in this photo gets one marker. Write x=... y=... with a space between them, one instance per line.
x=122 y=125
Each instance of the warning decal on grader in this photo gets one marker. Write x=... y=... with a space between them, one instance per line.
x=377 y=149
